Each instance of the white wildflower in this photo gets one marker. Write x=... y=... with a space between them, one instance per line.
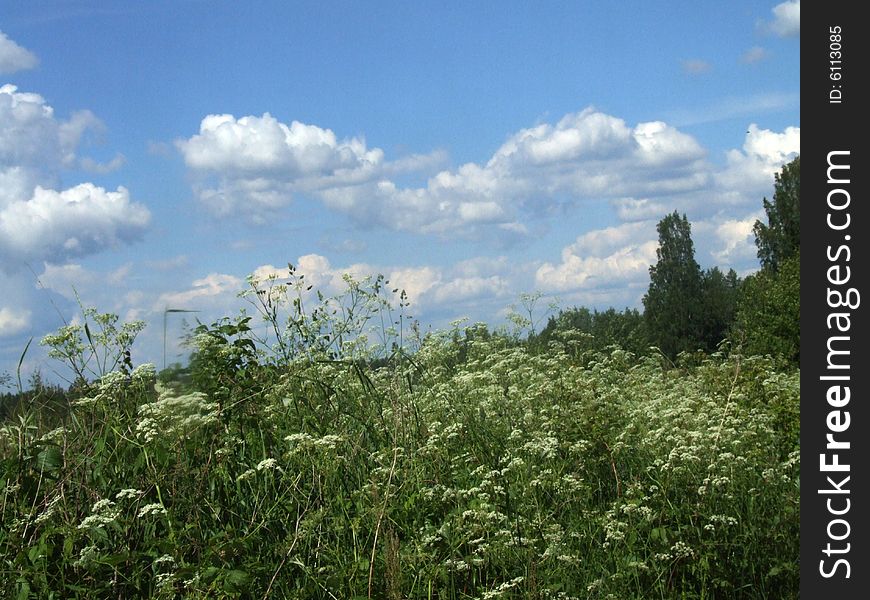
x=95 y=521
x=165 y=559
x=102 y=505
x=246 y=475
x=173 y=416
x=144 y=373
x=151 y=509
x=86 y=556
x=102 y=513
x=682 y=550
x=132 y=494
x=329 y=441
x=268 y=464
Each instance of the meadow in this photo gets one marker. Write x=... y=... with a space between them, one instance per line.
x=328 y=448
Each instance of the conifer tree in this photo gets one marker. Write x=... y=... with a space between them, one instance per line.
x=673 y=304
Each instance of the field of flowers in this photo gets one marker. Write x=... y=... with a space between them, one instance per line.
x=472 y=467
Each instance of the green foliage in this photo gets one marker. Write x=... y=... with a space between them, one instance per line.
x=767 y=319
x=49 y=402
x=779 y=239
x=673 y=305
x=718 y=305
x=768 y=316
x=471 y=467
x=594 y=330
x=94 y=347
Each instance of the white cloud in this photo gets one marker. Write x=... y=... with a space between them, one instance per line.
x=213 y=290
x=13 y=321
x=752 y=169
x=427 y=287
x=611 y=265
x=787 y=19
x=638 y=209
x=264 y=145
x=66 y=279
x=262 y=162
x=772 y=146
x=645 y=171
x=36 y=221
x=613 y=257
x=76 y=222
x=417 y=282
x=585 y=156
x=13 y=57
x=257 y=163
x=737 y=239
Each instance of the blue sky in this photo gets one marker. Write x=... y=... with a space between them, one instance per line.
x=154 y=154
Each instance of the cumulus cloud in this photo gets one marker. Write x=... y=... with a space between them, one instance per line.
x=787 y=19
x=611 y=265
x=13 y=321
x=262 y=162
x=66 y=279
x=752 y=169
x=427 y=287
x=644 y=171
x=259 y=162
x=76 y=222
x=736 y=239
x=37 y=222
x=615 y=257
x=13 y=57
x=587 y=155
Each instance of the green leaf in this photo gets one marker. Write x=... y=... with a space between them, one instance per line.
x=23 y=589
x=50 y=459
x=236 y=580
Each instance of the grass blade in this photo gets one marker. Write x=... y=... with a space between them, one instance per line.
x=20 y=362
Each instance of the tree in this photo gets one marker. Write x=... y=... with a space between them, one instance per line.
x=780 y=239
x=601 y=328
x=768 y=314
x=719 y=302
x=673 y=302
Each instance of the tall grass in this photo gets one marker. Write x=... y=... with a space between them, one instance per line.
x=471 y=468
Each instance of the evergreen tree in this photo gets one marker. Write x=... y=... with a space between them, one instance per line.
x=780 y=238
x=673 y=303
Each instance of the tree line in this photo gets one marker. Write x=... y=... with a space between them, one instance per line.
x=688 y=309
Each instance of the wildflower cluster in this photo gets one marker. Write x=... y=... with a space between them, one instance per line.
x=174 y=416
x=474 y=468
